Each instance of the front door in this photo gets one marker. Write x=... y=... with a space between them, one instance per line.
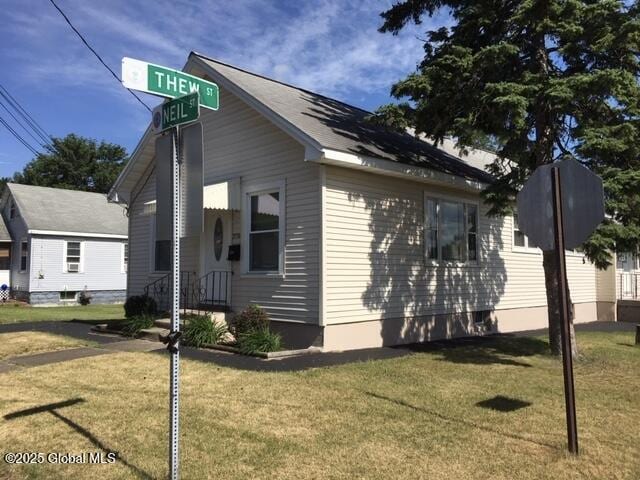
x=215 y=243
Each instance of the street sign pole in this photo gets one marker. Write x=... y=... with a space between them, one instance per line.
x=174 y=458
x=567 y=359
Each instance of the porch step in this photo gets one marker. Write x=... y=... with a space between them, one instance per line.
x=153 y=333
x=165 y=323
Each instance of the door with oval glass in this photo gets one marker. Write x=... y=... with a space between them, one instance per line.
x=216 y=241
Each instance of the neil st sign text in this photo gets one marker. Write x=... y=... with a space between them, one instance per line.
x=176 y=112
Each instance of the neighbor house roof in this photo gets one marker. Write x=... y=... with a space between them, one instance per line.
x=339 y=126
x=4 y=232
x=47 y=209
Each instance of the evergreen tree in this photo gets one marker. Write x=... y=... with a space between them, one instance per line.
x=76 y=163
x=544 y=80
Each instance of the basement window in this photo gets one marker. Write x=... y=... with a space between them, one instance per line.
x=67 y=296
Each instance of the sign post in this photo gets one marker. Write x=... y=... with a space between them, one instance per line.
x=567 y=357
x=188 y=93
x=174 y=394
x=558 y=208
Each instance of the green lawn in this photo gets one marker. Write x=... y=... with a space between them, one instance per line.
x=10 y=313
x=441 y=414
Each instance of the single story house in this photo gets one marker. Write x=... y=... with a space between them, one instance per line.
x=349 y=235
x=63 y=242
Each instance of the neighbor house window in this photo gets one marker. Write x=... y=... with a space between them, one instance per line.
x=163 y=255
x=67 y=296
x=5 y=256
x=73 y=257
x=451 y=230
x=12 y=210
x=125 y=257
x=265 y=231
x=24 y=255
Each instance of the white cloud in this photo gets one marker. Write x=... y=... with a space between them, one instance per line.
x=329 y=46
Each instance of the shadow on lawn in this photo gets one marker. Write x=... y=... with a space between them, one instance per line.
x=52 y=408
x=493 y=349
x=459 y=420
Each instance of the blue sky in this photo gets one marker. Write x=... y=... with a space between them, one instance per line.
x=329 y=46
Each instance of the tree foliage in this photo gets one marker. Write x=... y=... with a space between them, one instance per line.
x=545 y=80
x=76 y=163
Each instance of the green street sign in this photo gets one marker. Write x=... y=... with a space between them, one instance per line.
x=176 y=112
x=167 y=82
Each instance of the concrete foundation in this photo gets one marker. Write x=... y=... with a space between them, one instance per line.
x=98 y=297
x=397 y=331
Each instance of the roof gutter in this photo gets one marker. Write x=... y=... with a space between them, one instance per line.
x=77 y=234
x=394 y=169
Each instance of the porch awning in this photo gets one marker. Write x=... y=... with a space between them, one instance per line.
x=219 y=196
x=222 y=196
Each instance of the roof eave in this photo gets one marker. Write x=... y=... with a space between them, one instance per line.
x=396 y=169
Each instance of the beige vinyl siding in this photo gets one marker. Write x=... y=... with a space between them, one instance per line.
x=375 y=266
x=240 y=143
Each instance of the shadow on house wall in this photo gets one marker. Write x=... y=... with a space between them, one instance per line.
x=417 y=301
x=420 y=301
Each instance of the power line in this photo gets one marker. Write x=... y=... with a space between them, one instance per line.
x=38 y=141
x=18 y=137
x=42 y=133
x=96 y=53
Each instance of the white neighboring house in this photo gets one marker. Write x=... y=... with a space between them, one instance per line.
x=63 y=242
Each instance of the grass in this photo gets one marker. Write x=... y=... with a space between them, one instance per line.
x=10 y=313
x=29 y=343
x=494 y=411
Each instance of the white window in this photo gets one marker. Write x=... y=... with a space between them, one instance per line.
x=162 y=258
x=160 y=250
x=520 y=240
x=24 y=255
x=12 y=209
x=264 y=227
x=73 y=257
x=451 y=230
x=67 y=296
x=125 y=257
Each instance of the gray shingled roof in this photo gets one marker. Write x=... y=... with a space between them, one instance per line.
x=56 y=209
x=4 y=233
x=339 y=126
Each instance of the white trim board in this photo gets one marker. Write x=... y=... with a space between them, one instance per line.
x=396 y=169
x=76 y=234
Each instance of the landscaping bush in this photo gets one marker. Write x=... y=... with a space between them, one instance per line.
x=132 y=326
x=84 y=298
x=251 y=319
x=200 y=330
x=261 y=340
x=140 y=305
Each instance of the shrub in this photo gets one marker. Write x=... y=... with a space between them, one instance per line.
x=250 y=319
x=132 y=326
x=200 y=330
x=84 y=298
x=261 y=340
x=140 y=305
